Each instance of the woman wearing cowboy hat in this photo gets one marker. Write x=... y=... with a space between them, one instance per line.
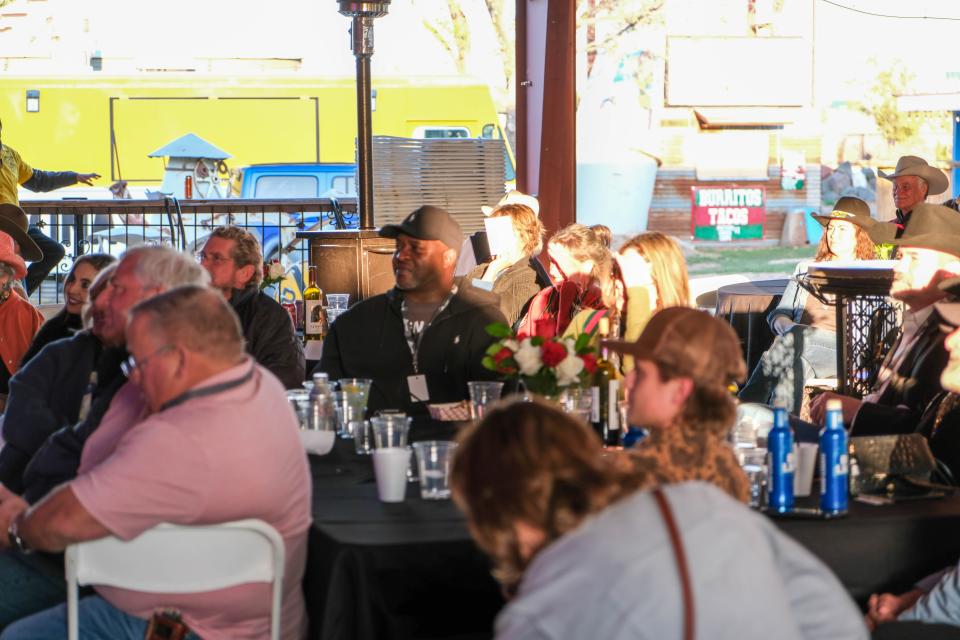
x=805 y=346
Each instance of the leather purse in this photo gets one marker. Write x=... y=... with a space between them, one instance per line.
x=886 y=461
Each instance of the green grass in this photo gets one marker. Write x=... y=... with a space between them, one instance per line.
x=767 y=260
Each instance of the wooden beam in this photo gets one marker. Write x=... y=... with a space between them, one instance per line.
x=546 y=106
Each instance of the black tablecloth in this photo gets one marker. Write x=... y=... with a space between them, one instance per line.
x=381 y=571
x=884 y=548
x=410 y=570
x=745 y=306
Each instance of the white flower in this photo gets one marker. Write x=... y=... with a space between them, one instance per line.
x=528 y=358
x=568 y=371
x=513 y=345
x=275 y=271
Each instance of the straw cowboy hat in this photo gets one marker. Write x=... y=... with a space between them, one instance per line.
x=849 y=209
x=914 y=166
x=8 y=255
x=14 y=222
x=514 y=197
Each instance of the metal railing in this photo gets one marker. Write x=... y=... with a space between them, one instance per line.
x=110 y=226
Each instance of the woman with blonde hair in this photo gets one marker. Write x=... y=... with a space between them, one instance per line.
x=666 y=268
x=512 y=273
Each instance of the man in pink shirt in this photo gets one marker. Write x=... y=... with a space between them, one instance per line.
x=201 y=434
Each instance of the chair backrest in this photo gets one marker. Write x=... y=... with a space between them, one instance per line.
x=180 y=559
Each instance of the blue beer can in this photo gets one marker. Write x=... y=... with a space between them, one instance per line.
x=780 y=463
x=834 y=462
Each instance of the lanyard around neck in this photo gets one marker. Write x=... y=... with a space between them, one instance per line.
x=208 y=391
x=414 y=346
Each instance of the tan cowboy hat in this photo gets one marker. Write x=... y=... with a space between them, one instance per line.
x=514 y=197
x=914 y=166
x=13 y=221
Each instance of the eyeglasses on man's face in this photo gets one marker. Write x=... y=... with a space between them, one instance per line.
x=131 y=364
x=216 y=259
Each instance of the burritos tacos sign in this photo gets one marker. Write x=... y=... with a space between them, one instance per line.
x=727 y=212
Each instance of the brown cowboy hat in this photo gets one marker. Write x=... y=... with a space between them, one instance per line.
x=849 y=209
x=13 y=221
x=914 y=166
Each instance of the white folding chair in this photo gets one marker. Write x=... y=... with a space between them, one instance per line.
x=180 y=559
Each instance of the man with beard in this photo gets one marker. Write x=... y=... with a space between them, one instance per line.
x=422 y=341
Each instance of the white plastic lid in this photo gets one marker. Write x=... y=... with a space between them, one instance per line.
x=834 y=405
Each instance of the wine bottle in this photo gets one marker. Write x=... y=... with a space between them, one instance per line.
x=607 y=395
x=315 y=320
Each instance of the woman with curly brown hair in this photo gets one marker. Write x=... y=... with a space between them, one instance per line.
x=805 y=346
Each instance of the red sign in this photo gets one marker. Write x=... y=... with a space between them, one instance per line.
x=727 y=212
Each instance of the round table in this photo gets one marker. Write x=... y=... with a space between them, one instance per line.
x=745 y=306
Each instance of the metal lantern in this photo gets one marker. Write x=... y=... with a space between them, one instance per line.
x=363 y=14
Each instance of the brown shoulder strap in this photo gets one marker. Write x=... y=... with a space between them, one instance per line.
x=677 y=542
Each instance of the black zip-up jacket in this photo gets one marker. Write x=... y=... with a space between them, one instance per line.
x=368 y=342
x=269 y=335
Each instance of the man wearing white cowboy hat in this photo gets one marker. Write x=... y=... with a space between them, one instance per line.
x=913 y=180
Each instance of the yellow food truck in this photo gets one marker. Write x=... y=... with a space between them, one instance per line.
x=109 y=124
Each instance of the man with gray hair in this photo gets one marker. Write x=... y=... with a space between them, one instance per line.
x=913 y=180
x=142 y=272
x=192 y=389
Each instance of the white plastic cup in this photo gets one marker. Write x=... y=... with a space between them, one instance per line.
x=390 y=430
x=390 y=469
x=805 y=454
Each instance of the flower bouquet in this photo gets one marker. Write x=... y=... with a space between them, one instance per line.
x=545 y=366
x=273 y=273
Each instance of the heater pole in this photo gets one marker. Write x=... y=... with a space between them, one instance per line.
x=363 y=13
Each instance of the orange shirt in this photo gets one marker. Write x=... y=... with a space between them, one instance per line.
x=19 y=322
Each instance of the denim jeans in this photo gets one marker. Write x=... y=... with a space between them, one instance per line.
x=99 y=620
x=53 y=253
x=802 y=353
x=26 y=587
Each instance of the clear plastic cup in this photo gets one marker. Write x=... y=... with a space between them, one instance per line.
x=352 y=404
x=433 y=466
x=338 y=300
x=362 y=437
x=300 y=403
x=482 y=393
x=390 y=430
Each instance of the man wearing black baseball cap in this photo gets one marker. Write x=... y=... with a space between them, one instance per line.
x=422 y=341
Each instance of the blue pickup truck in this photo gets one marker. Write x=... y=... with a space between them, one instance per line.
x=308 y=180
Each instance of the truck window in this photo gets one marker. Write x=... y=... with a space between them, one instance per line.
x=286 y=187
x=345 y=185
x=441 y=132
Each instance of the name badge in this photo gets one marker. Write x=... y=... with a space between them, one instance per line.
x=417 y=385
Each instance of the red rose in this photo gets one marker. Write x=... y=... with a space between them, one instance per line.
x=589 y=362
x=501 y=357
x=553 y=353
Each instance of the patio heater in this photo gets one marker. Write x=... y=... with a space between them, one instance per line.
x=357 y=262
x=363 y=13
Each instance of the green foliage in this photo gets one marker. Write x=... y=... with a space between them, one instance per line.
x=498 y=330
x=896 y=126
